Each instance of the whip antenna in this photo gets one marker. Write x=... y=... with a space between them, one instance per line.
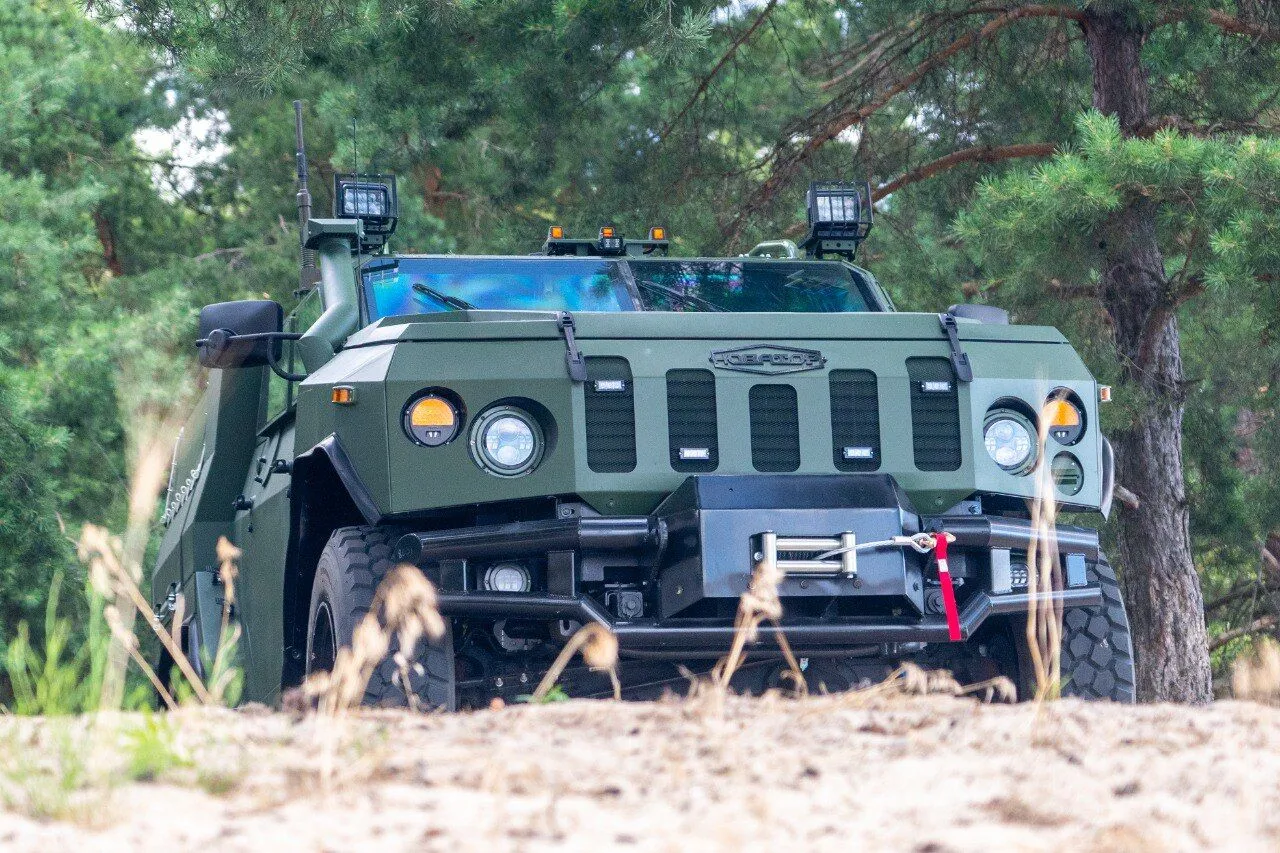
x=308 y=275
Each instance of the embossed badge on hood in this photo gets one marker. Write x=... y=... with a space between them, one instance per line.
x=767 y=359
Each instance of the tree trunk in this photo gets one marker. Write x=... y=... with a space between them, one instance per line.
x=1161 y=587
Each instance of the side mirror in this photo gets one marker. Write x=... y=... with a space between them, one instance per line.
x=240 y=334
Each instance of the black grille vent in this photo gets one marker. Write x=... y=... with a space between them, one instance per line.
x=855 y=420
x=935 y=414
x=691 y=420
x=611 y=416
x=775 y=428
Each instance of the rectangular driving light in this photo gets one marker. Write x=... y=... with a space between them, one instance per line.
x=371 y=199
x=608 y=386
x=361 y=200
x=840 y=217
x=859 y=453
x=935 y=386
x=692 y=454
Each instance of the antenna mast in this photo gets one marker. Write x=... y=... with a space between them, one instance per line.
x=308 y=275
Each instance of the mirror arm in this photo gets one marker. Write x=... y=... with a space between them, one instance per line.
x=280 y=371
x=225 y=337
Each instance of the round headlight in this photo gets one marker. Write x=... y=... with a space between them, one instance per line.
x=1010 y=441
x=506 y=441
x=507 y=577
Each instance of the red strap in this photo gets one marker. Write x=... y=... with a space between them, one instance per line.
x=948 y=590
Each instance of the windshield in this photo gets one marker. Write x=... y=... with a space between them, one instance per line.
x=747 y=286
x=429 y=285
x=405 y=286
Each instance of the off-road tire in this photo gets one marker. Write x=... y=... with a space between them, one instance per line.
x=1097 y=652
x=351 y=566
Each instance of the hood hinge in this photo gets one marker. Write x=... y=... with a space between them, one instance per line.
x=573 y=356
x=959 y=360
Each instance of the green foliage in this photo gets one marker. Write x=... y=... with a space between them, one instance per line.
x=152 y=749
x=555 y=694
x=30 y=540
x=1216 y=199
x=62 y=676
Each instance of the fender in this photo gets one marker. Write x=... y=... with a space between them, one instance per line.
x=1108 y=478
x=326 y=494
x=307 y=467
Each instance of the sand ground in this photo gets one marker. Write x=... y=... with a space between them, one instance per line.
x=923 y=773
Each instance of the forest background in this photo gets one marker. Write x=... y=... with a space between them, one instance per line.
x=1107 y=167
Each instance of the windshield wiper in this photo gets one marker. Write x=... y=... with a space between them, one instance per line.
x=686 y=298
x=443 y=298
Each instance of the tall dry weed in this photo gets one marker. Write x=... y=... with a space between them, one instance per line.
x=759 y=604
x=599 y=649
x=1044 y=576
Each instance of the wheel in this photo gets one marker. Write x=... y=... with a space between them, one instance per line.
x=351 y=566
x=1097 y=651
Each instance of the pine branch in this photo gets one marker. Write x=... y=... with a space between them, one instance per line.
x=1237 y=27
x=1191 y=128
x=1252 y=590
x=715 y=70
x=784 y=167
x=976 y=154
x=1257 y=626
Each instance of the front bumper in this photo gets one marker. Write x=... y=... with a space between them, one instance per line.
x=694 y=555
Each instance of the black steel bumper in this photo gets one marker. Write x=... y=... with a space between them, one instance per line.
x=680 y=638
x=698 y=542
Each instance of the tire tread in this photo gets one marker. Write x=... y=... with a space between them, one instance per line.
x=361 y=558
x=1097 y=651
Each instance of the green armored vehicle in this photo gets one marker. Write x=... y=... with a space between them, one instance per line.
x=602 y=433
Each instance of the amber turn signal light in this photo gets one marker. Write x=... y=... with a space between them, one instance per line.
x=432 y=420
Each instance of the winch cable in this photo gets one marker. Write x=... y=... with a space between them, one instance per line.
x=921 y=543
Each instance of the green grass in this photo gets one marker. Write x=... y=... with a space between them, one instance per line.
x=152 y=750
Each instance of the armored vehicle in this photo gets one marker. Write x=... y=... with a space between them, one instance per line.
x=604 y=433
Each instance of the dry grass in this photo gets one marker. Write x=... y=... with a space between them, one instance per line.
x=405 y=610
x=1257 y=676
x=1044 y=575
x=599 y=649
